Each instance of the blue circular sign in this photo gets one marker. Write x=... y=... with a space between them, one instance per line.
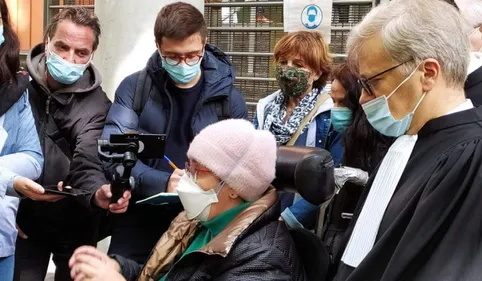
x=311 y=16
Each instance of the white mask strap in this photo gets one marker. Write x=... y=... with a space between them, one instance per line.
x=220 y=187
x=403 y=82
x=419 y=102
x=193 y=177
x=217 y=189
x=475 y=30
x=48 y=45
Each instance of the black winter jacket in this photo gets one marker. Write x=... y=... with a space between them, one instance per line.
x=254 y=246
x=69 y=122
x=151 y=176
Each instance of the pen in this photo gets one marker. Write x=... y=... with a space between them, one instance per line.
x=171 y=163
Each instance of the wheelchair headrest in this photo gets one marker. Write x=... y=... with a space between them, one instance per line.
x=308 y=171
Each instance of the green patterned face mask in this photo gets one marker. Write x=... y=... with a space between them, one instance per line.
x=293 y=81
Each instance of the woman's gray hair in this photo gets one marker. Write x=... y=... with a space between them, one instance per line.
x=415 y=30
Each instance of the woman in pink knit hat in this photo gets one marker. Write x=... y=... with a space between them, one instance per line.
x=229 y=229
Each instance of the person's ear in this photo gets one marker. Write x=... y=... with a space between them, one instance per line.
x=317 y=76
x=233 y=195
x=431 y=71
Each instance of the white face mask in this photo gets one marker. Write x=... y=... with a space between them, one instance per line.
x=195 y=200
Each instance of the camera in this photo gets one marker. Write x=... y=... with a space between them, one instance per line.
x=126 y=149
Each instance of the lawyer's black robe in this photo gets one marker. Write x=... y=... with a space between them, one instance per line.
x=432 y=228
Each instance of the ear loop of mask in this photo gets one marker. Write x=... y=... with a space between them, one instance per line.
x=403 y=82
x=473 y=31
x=219 y=187
x=419 y=102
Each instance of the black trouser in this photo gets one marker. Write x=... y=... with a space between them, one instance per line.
x=137 y=231
x=52 y=228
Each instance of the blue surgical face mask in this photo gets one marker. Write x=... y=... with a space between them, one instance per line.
x=2 y=38
x=63 y=71
x=340 y=118
x=379 y=115
x=182 y=73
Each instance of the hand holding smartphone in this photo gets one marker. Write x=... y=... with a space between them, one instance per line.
x=53 y=189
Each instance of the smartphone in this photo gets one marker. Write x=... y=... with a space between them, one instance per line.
x=53 y=189
x=151 y=146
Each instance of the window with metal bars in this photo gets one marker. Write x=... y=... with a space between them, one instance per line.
x=54 y=6
x=249 y=30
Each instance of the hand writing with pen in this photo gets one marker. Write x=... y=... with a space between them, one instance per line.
x=175 y=177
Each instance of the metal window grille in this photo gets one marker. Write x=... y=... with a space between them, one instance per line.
x=238 y=28
x=248 y=30
x=54 y=6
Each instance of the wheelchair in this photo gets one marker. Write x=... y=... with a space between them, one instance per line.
x=309 y=172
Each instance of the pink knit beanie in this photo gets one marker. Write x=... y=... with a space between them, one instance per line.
x=238 y=154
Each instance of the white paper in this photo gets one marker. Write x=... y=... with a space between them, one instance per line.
x=308 y=15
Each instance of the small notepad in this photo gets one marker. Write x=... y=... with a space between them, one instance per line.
x=161 y=199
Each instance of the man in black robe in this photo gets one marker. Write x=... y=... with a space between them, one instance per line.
x=420 y=217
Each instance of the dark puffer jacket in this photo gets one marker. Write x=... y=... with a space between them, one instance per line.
x=254 y=246
x=151 y=176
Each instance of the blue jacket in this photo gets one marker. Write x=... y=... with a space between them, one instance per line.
x=320 y=134
x=152 y=176
x=20 y=155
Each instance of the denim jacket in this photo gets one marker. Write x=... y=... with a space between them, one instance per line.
x=20 y=155
x=320 y=134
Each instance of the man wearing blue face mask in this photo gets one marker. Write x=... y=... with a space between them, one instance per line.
x=186 y=86
x=69 y=108
x=419 y=215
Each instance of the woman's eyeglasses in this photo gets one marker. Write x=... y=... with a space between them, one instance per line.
x=193 y=168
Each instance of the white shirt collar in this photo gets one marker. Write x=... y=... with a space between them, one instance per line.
x=465 y=106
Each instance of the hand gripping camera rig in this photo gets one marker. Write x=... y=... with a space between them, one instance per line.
x=126 y=149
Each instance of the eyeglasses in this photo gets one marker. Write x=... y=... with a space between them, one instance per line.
x=190 y=60
x=365 y=84
x=193 y=168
